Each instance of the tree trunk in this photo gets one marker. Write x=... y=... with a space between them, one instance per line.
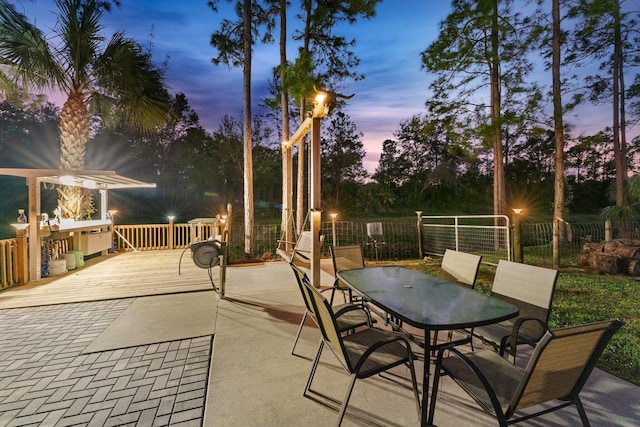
x=300 y=192
x=287 y=161
x=499 y=186
x=558 y=205
x=248 y=138
x=74 y=134
x=618 y=149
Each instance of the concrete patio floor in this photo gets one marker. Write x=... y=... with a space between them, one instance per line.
x=254 y=380
x=194 y=359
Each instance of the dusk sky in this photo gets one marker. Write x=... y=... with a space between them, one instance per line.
x=395 y=87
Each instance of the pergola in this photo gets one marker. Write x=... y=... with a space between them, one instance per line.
x=310 y=124
x=100 y=180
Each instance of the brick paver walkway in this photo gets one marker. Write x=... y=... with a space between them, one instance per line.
x=46 y=380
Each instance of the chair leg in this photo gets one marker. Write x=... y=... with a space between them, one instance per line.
x=345 y=402
x=581 y=411
x=314 y=367
x=304 y=317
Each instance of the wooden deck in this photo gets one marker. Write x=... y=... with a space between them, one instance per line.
x=122 y=275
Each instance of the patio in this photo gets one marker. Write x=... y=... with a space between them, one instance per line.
x=143 y=345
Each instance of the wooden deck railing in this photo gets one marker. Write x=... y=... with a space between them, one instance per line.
x=146 y=237
x=401 y=241
x=9 y=263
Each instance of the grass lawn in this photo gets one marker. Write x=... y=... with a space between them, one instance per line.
x=582 y=297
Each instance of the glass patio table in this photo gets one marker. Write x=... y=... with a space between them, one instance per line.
x=426 y=302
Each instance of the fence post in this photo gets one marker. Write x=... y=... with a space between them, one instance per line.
x=607 y=231
x=419 y=225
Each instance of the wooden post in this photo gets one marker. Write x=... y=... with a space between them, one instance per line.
x=171 y=232
x=315 y=201
x=35 y=254
x=23 y=257
x=517 y=238
x=608 y=234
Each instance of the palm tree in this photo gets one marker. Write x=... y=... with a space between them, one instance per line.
x=112 y=78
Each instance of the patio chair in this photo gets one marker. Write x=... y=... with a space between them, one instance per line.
x=349 y=316
x=557 y=370
x=345 y=258
x=461 y=268
x=529 y=288
x=362 y=354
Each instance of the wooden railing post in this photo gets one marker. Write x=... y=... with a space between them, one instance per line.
x=23 y=256
x=171 y=231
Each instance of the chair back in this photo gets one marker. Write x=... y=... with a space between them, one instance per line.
x=562 y=362
x=374 y=231
x=528 y=287
x=301 y=279
x=346 y=258
x=328 y=324
x=460 y=267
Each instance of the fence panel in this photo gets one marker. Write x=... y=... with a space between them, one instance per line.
x=474 y=234
x=537 y=241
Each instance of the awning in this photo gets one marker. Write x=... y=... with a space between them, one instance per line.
x=94 y=179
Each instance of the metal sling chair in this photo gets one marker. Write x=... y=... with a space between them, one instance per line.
x=461 y=268
x=349 y=316
x=557 y=370
x=345 y=258
x=529 y=288
x=362 y=354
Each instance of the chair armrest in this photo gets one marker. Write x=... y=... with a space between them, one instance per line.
x=381 y=343
x=515 y=337
x=486 y=385
x=352 y=307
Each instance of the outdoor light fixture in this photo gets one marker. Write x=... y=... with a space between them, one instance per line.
x=333 y=227
x=73 y=181
x=171 y=217
x=112 y=214
x=20 y=225
x=518 y=254
x=320 y=97
x=67 y=180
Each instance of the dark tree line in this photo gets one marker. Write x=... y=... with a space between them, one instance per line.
x=443 y=160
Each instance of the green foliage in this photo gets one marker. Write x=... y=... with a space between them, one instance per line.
x=115 y=74
x=342 y=169
x=582 y=298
